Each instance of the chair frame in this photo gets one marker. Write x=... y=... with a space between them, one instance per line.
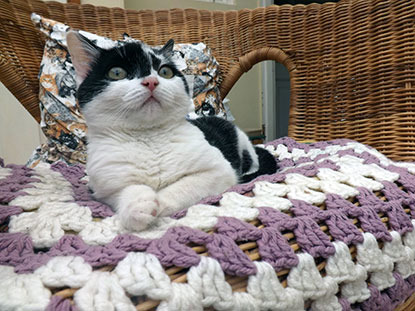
x=351 y=63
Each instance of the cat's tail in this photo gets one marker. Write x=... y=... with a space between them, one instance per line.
x=267 y=165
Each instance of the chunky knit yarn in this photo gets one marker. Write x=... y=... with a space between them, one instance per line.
x=329 y=200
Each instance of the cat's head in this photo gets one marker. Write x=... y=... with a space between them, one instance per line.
x=129 y=85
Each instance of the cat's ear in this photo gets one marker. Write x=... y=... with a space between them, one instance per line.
x=167 y=49
x=83 y=54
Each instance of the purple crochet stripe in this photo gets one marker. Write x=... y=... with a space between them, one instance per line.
x=16 y=249
x=406 y=179
x=394 y=194
x=340 y=226
x=57 y=303
x=308 y=234
x=7 y=210
x=398 y=219
x=368 y=218
x=12 y=187
x=272 y=245
x=73 y=174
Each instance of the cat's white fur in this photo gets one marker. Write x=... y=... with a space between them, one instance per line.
x=144 y=159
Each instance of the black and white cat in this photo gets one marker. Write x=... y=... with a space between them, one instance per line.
x=144 y=158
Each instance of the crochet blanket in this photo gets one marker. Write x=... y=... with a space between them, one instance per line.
x=333 y=230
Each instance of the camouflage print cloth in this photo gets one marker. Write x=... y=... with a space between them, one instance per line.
x=62 y=121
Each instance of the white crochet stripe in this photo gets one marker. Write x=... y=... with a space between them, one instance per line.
x=351 y=166
x=22 y=292
x=407 y=266
x=281 y=152
x=401 y=255
x=48 y=223
x=102 y=292
x=61 y=271
x=378 y=265
x=306 y=278
x=141 y=274
x=51 y=218
x=341 y=267
x=266 y=288
x=5 y=172
x=314 y=190
x=53 y=187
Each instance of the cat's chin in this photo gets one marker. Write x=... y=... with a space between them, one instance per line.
x=150 y=109
x=151 y=101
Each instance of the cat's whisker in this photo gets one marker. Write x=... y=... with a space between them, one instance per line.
x=168 y=95
x=133 y=95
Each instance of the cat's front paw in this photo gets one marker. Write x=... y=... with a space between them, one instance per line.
x=137 y=207
x=169 y=204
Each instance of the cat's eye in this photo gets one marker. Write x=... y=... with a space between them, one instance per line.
x=117 y=73
x=166 y=72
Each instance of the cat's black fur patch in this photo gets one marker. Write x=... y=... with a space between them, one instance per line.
x=156 y=62
x=246 y=161
x=267 y=165
x=130 y=57
x=222 y=134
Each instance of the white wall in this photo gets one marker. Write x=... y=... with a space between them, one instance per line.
x=19 y=132
x=107 y=3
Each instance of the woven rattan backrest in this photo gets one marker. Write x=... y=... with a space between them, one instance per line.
x=351 y=64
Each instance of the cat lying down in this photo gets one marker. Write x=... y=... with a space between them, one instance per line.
x=145 y=159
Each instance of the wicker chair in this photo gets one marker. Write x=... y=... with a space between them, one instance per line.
x=351 y=65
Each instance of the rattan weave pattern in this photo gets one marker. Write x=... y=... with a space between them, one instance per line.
x=351 y=63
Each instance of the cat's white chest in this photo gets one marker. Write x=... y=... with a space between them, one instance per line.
x=157 y=161
x=159 y=164
x=144 y=162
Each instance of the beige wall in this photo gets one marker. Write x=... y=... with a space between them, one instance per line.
x=107 y=3
x=19 y=132
x=245 y=97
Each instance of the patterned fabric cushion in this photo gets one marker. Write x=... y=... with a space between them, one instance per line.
x=333 y=230
x=62 y=121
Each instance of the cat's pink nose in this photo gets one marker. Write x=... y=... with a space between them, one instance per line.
x=150 y=82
